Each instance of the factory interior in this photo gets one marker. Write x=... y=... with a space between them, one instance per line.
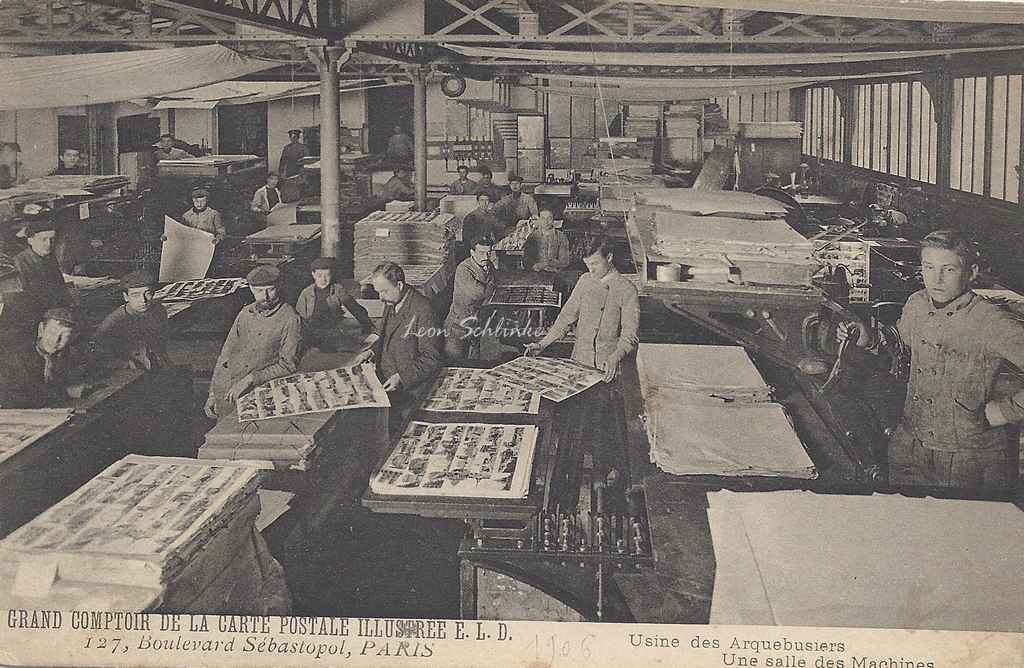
x=639 y=311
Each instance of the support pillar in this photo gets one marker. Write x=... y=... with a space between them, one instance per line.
x=327 y=60
x=419 y=112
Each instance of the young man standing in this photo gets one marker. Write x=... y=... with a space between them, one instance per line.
x=41 y=278
x=463 y=185
x=952 y=434
x=547 y=248
x=267 y=196
x=481 y=221
x=322 y=307
x=292 y=154
x=516 y=205
x=606 y=309
x=202 y=217
x=136 y=333
x=399 y=187
x=474 y=283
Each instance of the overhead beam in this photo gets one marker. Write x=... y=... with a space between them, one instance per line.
x=298 y=19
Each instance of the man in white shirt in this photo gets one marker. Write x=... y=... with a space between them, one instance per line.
x=266 y=198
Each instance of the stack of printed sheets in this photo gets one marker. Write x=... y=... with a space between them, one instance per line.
x=143 y=522
x=708 y=413
x=410 y=237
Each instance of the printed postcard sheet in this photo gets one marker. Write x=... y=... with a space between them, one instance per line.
x=473 y=460
x=525 y=295
x=204 y=288
x=21 y=428
x=140 y=507
x=473 y=391
x=314 y=392
x=555 y=379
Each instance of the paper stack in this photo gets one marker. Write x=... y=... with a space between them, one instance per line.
x=142 y=522
x=404 y=237
x=707 y=413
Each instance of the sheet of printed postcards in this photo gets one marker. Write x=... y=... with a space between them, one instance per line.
x=466 y=459
x=314 y=392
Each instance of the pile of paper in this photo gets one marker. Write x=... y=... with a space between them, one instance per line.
x=721 y=203
x=404 y=237
x=720 y=372
x=142 y=522
x=707 y=412
x=803 y=559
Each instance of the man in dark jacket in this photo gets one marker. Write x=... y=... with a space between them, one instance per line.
x=41 y=278
x=34 y=370
x=407 y=348
x=322 y=307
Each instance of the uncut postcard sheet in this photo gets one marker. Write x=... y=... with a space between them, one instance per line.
x=21 y=428
x=314 y=392
x=525 y=295
x=203 y=288
x=473 y=391
x=459 y=459
x=555 y=379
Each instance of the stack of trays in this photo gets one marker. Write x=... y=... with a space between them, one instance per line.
x=411 y=237
x=163 y=524
x=291 y=443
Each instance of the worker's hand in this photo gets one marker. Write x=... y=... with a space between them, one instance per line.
x=393 y=383
x=79 y=390
x=533 y=349
x=240 y=387
x=848 y=329
x=994 y=414
x=210 y=407
x=611 y=367
x=363 y=357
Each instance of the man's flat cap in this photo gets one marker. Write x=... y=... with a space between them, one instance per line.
x=263 y=275
x=200 y=192
x=64 y=315
x=322 y=263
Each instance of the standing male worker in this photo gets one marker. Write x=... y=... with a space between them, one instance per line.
x=136 y=333
x=322 y=307
x=265 y=342
x=399 y=187
x=463 y=185
x=266 y=196
x=952 y=434
x=481 y=221
x=400 y=148
x=606 y=309
x=34 y=370
x=486 y=184
x=292 y=155
x=41 y=278
x=70 y=163
x=166 y=150
x=547 y=248
x=202 y=217
x=474 y=284
x=516 y=205
x=407 y=347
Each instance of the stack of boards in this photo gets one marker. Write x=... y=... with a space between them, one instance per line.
x=708 y=412
x=162 y=525
x=411 y=237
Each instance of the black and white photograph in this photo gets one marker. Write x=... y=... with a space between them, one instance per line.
x=528 y=333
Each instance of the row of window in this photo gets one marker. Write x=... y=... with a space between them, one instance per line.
x=894 y=130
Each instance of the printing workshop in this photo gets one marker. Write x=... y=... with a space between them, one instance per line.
x=639 y=311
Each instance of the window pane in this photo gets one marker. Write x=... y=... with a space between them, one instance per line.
x=997 y=157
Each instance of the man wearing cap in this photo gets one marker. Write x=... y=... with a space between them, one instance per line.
x=136 y=333
x=463 y=185
x=264 y=343
x=202 y=217
x=292 y=155
x=407 y=347
x=34 y=370
x=547 y=248
x=516 y=205
x=41 y=278
x=400 y=148
x=481 y=221
x=399 y=187
x=486 y=185
x=322 y=306
x=166 y=150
